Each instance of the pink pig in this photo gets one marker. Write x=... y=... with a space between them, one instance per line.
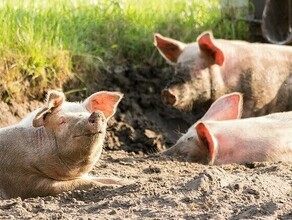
x=209 y=68
x=54 y=148
x=220 y=137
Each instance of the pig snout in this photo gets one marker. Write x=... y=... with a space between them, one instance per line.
x=96 y=122
x=168 y=97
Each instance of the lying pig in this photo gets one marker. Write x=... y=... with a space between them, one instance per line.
x=53 y=148
x=220 y=137
x=209 y=68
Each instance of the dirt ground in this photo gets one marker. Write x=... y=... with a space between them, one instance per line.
x=161 y=188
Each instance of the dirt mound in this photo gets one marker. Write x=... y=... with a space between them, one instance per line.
x=13 y=112
x=143 y=124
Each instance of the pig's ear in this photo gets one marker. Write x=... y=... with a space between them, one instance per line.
x=169 y=48
x=206 y=44
x=104 y=101
x=53 y=102
x=208 y=142
x=227 y=107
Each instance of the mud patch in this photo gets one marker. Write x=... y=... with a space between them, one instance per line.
x=12 y=113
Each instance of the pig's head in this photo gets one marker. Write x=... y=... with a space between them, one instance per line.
x=191 y=86
x=76 y=135
x=198 y=144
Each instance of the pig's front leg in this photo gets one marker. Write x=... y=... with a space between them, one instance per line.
x=49 y=187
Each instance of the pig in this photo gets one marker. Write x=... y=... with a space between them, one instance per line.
x=53 y=149
x=221 y=137
x=209 y=68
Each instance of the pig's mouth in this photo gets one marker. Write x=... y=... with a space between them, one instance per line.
x=184 y=105
x=91 y=134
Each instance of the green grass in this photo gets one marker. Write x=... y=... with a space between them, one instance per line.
x=41 y=40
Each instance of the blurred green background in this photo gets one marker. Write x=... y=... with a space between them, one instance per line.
x=44 y=44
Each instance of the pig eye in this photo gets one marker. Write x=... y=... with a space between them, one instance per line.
x=62 y=121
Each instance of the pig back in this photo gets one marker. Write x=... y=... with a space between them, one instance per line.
x=267 y=138
x=262 y=72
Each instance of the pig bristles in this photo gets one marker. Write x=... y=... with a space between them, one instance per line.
x=189 y=107
x=185 y=108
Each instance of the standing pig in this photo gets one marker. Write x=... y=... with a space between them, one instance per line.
x=53 y=148
x=220 y=137
x=209 y=68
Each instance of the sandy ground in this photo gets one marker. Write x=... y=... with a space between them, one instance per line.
x=161 y=188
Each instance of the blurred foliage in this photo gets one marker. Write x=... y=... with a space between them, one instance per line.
x=40 y=38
